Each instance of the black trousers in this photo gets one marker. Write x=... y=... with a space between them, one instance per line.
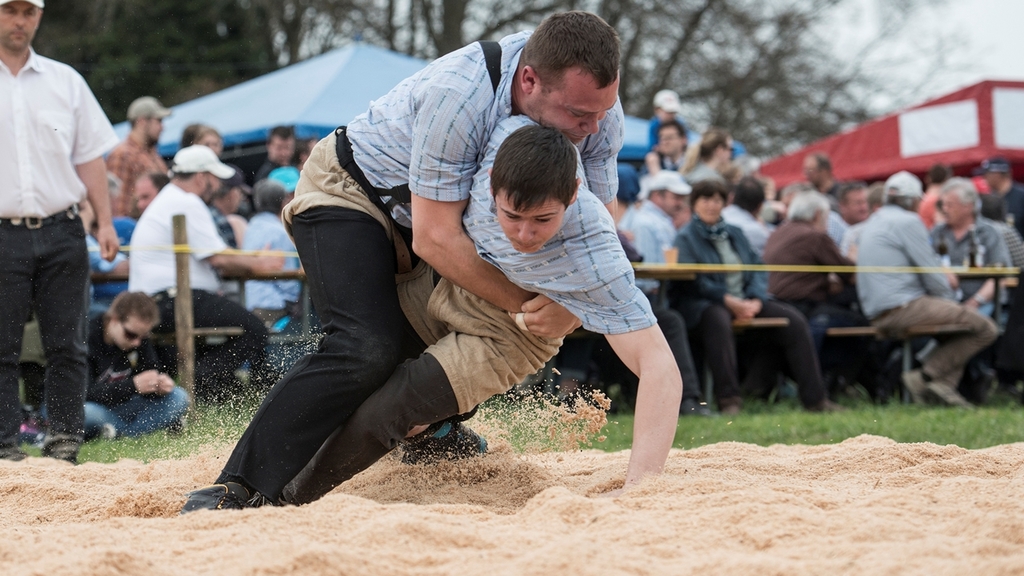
x=350 y=267
x=46 y=270
x=764 y=352
x=216 y=365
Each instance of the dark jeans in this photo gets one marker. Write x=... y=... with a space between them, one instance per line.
x=350 y=267
x=765 y=351
x=45 y=270
x=576 y=355
x=216 y=365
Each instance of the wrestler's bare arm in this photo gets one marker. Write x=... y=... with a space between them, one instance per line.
x=647 y=354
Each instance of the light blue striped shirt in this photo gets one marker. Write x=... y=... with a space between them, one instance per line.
x=582 y=267
x=432 y=129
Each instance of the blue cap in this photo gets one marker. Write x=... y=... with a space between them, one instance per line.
x=629 y=184
x=286 y=175
x=996 y=165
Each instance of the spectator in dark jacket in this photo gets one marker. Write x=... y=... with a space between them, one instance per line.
x=710 y=303
x=128 y=395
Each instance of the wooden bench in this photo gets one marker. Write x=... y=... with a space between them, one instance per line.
x=212 y=335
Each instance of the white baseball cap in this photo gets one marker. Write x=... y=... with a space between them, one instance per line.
x=668 y=101
x=38 y=3
x=665 y=180
x=196 y=159
x=904 y=184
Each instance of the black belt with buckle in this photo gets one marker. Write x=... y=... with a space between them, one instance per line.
x=34 y=222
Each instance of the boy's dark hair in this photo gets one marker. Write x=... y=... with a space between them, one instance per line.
x=137 y=304
x=282 y=132
x=673 y=124
x=573 y=39
x=749 y=194
x=707 y=189
x=533 y=165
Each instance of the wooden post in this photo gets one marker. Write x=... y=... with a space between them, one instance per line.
x=183 y=321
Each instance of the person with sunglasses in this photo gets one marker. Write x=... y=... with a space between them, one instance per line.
x=128 y=394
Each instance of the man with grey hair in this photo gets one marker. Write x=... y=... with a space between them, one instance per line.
x=966 y=231
x=896 y=236
x=803 y=240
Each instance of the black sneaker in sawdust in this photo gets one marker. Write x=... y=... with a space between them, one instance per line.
x=226 y=496
x=12 y=452
x=62 y=447
x=445 y=440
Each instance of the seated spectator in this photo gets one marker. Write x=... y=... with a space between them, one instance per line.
x=666 y=194
x=747 y=199
x=710 y=303
x=818 y=171
x=893 y=302
x=705 y=161
x=666 y=107
x=128 y=395
x=853 y=203
x=964 y=233
x=994 y=210
x=146 y=189
x=197 y=174
x=209 y=137
x=819 y=296
x=303 y=148
x=271 y=300
x=936 y=177
x=101 y=295
x=280 y=149
x=876 y=195
x=670 y=153
x=224 y=203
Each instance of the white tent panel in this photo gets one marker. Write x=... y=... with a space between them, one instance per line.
x=939 y=128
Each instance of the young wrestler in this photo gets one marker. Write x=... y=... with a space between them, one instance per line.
x=527 y=218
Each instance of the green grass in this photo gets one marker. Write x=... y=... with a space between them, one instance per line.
x=764 y=425
x=760 y=423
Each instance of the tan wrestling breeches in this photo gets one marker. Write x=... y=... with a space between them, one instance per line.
x=481 y=349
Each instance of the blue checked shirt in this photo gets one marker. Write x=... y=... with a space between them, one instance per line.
x=431 y=130
x=582 y=267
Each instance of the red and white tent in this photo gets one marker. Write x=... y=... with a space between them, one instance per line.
x=960 y=129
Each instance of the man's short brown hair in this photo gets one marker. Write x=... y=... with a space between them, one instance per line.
x=137 y=304
x=533 y=165
x=573 y=39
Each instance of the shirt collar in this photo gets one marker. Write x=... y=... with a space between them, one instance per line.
x=34 y=62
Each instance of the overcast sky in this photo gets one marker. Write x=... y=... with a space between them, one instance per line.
x=981 y=40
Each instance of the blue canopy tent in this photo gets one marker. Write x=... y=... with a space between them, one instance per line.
x=315 y=96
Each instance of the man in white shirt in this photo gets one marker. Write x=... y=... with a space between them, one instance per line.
x=53 y=135
x=197 y=173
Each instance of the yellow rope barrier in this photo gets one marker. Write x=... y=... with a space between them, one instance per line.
x=186 y=249
x=698 y=268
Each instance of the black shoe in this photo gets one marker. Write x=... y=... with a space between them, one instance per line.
x=12 y=452
x=62 y=447
x=226 y=496
x=443 y=441
x=692 y=407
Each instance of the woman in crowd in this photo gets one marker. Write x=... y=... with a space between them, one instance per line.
x=712 y=302
x=128 y=395
x=710 y=158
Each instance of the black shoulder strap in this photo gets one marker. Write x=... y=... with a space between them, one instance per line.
x=492 y=57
